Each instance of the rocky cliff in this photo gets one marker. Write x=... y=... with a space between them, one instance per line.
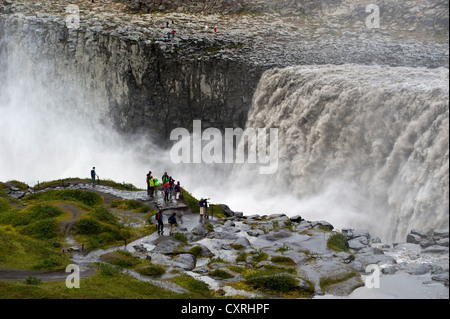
x=146 y=81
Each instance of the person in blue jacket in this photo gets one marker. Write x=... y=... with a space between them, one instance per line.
x=172 y=222
x=93 y=175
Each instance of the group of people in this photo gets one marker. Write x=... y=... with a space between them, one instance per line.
x=169 y=186
x=172 y=222
x=203 y=203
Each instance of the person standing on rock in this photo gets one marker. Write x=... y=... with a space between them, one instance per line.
x=149 y=176
x=93 y=175
x=171 y=185
x=202 y=208
x=205 y=208
x=172 y=222
x=177 y=190
x=165 y=178
x=151 y=185
x=166 y=191
x=159 y=219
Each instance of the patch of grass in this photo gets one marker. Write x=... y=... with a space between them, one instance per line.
x=283 y=260
x=5 y=206
x=113 y=286
x=193 y=285
x=242 y=256
x=67 y=181
x=96 y=234
x=196 y=251
x=181 y=237
x=20 y=185
x=236 y=269
x=191 y=201
x=284 y=248
x=103 y=214
x=121 y=258
x=30 y=280
x=43 y=229
x=259 y=255
x=221 y=274
x=15 y=217
x=106 y=269
x=131 y=204
x=18 y=251
x=338 y=242
x=275 y=283
x=151 y=270
x=88 y=198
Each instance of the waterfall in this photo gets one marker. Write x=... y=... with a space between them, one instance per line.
x=359 y=146
x=364 y=144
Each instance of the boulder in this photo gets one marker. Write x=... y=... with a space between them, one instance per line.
x=168 y=246
x=440 y=233
x=296 y=218
x=436 y=249
x=226 y=210
x=200 y=230
x=242 y=242
x=184 y=261
x=322 y=224
x=413 y=238
x=358 y=243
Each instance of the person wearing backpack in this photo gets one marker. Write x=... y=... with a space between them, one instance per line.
x=151 y=184
x=172 y=222
x=149 y=176
x=159 y=219
x=177 y=190
x=166 y=191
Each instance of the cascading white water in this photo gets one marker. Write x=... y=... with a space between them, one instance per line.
x=361 y=146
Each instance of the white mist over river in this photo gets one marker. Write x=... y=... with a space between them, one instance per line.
x=359 y=146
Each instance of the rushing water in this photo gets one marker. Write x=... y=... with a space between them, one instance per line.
x=368 y=145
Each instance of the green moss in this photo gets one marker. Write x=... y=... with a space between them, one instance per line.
x=324 y=282
x=193 y=285
x=221 y=274
x=191 y=201
x=151 y=270
x=283 y=260
x=338 y=242
x=276 y=283
x=131 y=204
x=88 y=198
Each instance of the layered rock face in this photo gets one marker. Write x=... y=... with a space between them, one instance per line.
x=136 y=86
x=142 y=81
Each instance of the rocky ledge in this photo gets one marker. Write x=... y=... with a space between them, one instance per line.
x=410 y=34
x=289 y=256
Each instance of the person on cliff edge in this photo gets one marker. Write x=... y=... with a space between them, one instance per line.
x=93 y=175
